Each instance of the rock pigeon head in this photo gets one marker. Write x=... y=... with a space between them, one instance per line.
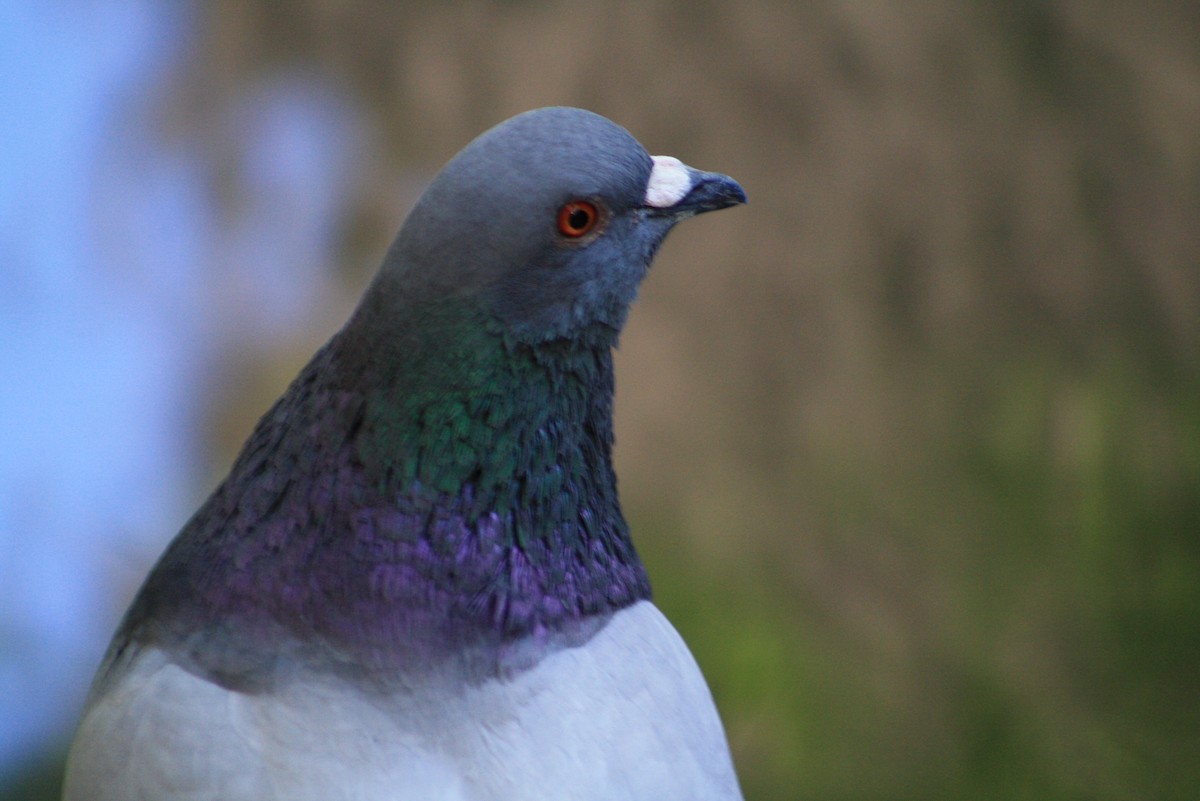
x=547 y=224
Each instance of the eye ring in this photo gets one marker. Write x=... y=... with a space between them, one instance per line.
x=578 y=218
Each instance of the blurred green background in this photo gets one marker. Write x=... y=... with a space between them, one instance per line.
x=910 y=444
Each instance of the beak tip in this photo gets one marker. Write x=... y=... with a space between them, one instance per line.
x=738 y=194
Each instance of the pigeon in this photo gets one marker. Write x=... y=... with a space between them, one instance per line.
x=416 y=581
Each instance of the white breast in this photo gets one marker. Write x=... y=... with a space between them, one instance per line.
x=625 y=716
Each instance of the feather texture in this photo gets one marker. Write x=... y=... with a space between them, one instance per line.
x=627 y=715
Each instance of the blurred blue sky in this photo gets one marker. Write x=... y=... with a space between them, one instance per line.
x=120 y=281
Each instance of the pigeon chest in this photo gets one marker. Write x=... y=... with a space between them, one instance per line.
x=626 y=715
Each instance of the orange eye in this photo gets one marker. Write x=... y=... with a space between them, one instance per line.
x=577 y=218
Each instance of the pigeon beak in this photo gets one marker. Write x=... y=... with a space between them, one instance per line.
x=676 y=190
x=711 y=191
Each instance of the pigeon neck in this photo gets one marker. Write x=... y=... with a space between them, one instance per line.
x=524 y=429
x=398 y=508
x=490 y=464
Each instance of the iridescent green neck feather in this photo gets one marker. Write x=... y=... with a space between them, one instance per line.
x=465 y=408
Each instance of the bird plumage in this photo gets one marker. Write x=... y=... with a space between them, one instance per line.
x=626 y=715
x=416 y=581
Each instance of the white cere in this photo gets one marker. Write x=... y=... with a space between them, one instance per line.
x=669 y=182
